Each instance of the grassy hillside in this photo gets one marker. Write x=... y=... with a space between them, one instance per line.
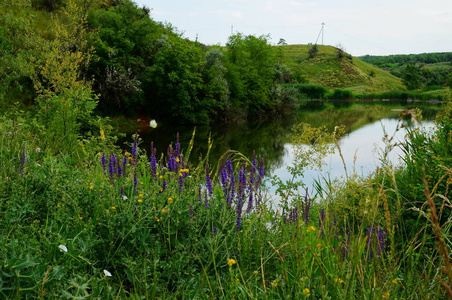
x=328 y=70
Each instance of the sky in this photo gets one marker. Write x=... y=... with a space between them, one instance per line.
x=374 y=27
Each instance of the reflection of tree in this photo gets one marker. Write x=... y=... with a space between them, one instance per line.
x=265 y=136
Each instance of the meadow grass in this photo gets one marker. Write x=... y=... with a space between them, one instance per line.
x=104 y=223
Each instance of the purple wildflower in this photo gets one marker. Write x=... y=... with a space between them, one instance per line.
x=103 y=160
x=112 y=165
x=134 y=149
x=376 y=238
x=208 y=180
x=135 y=183
x=214 y=230
x=124 y=164
x=153 y=160
x=240 y=195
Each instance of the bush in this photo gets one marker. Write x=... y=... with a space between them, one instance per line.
x=311 y=91
x=341 y=94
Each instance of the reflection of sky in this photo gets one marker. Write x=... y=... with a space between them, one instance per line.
x=366 y=142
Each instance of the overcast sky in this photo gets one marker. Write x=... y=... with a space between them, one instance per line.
x=375 y=27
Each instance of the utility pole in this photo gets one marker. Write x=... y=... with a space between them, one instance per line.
x=320 y=33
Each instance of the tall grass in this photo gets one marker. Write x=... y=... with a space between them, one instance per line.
x=146 y=223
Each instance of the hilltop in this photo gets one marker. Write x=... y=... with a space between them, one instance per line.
x=327 y=69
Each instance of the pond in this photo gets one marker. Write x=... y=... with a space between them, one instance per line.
x=361 y=146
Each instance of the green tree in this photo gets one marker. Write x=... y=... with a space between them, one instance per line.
x=177 y=81
x=411 y=76
x=17 y=48
x=251 y=72
x=125 y=45
x=65 y=99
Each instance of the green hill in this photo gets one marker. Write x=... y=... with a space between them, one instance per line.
x=327 y=69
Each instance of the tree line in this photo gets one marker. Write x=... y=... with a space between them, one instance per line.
x=425 y=70
x=129 y=63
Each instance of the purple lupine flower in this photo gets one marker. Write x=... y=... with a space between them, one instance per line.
x=191 y=212
x=231 y=179
x=134 y=149
x=153 y=160
x=124 y=164
x=118 y=170
x=214 y=230
x=103 y=160
x=112 y=165
x=135 y=183
x=208 y=180
x=381 y=236
x=122 y=191
x=224 y=180
x=294 y=214
x=306 y=208
x=177 y=148
x=376 y=238
x=241 y=195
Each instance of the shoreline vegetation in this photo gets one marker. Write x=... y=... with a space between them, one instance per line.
x=82 y=219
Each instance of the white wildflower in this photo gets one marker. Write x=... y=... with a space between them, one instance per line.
x=63 y=247
x=124 y=197
x=153 y=124
x=106 y=273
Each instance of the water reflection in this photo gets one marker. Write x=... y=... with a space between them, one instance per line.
x=270 y=138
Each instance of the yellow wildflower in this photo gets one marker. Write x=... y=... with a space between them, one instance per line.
x=395 y=281
x=140 y=195
x=113 y=207
x=102 y=135
x=386 y=295
x=177 y=159
x=91 y=187
x=231 y=262
x=310 y=229
x=157 y=219
x=306 y=292
x=140 y=201
x=170 y=200
x=338 y=280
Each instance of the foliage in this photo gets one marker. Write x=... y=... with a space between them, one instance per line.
x=18 y=42
x=311 y=91
x=250 y=72
x=341 y=94
x=138 y=223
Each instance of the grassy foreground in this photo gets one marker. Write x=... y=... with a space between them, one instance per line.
x=103 y=223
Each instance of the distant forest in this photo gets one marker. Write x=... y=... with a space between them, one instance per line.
x=426 y=70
